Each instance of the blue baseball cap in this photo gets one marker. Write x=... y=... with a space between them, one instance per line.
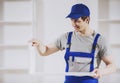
x=79 y=10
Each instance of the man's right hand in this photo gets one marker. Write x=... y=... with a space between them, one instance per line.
x=34 y=42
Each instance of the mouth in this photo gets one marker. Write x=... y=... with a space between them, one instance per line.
x=76 y=28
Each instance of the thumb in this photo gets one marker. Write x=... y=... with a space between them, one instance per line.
x=95 y=72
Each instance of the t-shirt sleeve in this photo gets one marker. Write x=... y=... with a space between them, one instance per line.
x=61 y=41
x=104 y=49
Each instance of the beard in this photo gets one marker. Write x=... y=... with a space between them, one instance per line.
x=78 y=29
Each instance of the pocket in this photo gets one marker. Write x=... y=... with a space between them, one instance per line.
x=79 y=64
x=82 y=60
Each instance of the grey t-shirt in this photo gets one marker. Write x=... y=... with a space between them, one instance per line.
x=83 y=44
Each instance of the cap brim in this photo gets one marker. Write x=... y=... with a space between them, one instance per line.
x=74 y=16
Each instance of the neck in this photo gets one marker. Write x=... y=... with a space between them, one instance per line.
x=86 y=32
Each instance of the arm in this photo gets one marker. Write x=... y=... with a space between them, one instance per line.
x=44 y=50
x=110 y=67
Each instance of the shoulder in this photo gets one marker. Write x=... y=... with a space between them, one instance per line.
x=102 y=45
x=61 y=41
x=101 y=40
x=65 y=35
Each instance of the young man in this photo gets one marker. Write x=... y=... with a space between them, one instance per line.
x=84 y=47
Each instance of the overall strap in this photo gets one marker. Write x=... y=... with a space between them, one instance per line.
x=69 y=41
x=95 y=43
x=68 y=49
x=93 y=51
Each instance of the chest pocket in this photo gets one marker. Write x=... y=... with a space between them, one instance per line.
x=79 y=64
x=82 y=60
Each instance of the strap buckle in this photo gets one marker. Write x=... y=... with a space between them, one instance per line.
x=68 y=45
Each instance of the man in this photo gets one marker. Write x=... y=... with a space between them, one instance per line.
x=84 y=47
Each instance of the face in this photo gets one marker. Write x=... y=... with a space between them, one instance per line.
x=79 y=25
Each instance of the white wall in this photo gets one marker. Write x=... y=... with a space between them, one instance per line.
x=14 y=33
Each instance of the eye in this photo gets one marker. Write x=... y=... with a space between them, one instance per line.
x=72 y=19
x=78 y=21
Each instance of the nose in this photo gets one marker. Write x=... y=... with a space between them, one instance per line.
x=74 y=24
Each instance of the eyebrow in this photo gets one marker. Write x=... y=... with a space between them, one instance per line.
x=74 y=19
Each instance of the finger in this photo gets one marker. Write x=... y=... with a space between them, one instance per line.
x=35 y=43
x=94 y=71
x=97 y=73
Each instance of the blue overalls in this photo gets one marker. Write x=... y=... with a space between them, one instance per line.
x=80 y=79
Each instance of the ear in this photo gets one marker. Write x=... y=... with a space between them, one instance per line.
x=88 y=20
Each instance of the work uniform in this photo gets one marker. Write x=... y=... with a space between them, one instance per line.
x=80 y=55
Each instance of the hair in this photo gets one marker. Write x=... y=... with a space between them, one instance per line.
x=84 y=18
